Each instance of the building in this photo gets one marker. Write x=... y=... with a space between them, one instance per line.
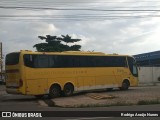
x=149 y=67
x=148 y=59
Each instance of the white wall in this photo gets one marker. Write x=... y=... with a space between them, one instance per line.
x=149 y=75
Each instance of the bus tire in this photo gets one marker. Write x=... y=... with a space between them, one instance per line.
x=68 y=89
x=125 y=85
x=54 y=91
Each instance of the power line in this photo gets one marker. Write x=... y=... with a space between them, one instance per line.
x=77 y=9
x=69 y=16
x=82 y=18
x=71 y=4
x=112 y=7
x=110 y=13
x=82 y=1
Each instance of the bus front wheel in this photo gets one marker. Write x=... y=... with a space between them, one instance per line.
x=125 y=85
x=68 y=90
x=54 y=91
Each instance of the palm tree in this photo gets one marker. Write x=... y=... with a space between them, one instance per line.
x=67 y=39
x=53 y=44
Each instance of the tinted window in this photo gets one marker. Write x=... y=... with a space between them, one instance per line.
x=65 y=61
x=86 y=61
x=12 y=58
x=42 y=61
x=118 y=61
x=53 y=61
x=61 y=61
x=36 y=61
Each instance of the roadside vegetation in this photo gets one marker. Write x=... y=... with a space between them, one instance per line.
x=148 y=102
x=141 y=102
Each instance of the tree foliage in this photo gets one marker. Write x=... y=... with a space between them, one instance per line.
x=57 y=44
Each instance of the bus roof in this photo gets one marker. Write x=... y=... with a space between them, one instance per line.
x=71 y=53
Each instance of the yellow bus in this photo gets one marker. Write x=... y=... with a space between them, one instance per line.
x=57 y=73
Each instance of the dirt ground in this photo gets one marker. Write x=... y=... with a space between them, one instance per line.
x=2 y=90
x=107 y=98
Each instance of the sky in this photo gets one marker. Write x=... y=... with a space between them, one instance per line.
x=110 y=26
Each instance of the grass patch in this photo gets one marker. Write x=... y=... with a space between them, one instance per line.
x=148 y=102
x=142 y=102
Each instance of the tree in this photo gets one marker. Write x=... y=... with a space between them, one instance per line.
x=68 y=39
x=57 y=44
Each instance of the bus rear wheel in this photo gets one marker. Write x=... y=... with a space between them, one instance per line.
x=54 y=91
x=68 y=90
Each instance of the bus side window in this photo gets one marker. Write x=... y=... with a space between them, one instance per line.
x=82 y=61
x=28 y=60
x=43 y=61
x=51 y=61
x=91 y=61
x=126 y=65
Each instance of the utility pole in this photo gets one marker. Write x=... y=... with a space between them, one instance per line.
x=1 y=63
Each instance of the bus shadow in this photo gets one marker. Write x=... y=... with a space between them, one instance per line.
x=22 y=98
x=101 y=91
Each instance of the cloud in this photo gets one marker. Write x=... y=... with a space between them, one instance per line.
x=123 y=35
x=17 y=36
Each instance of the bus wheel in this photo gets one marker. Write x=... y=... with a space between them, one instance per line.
x=54 y=91
x=68 y=89
x=125 y=85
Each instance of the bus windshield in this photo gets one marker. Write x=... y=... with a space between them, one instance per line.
x=12 y=58
x=133 y=66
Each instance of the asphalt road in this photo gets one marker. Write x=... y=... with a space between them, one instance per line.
x=10 y=102
x=21 y=104
x=29 y=103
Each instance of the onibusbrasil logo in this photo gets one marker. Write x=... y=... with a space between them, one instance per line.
x=21 y=114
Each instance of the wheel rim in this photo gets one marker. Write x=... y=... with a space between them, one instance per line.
x=125 y=86
x=68 y=91
x=54 y=92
